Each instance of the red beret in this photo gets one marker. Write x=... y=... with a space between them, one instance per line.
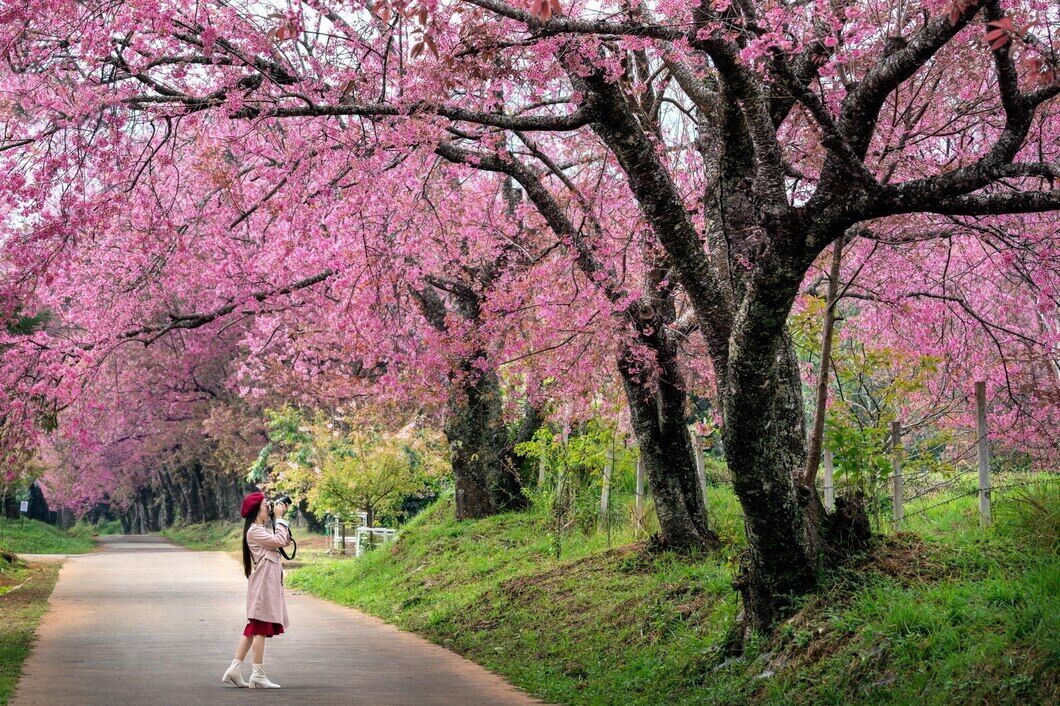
x=251 y=502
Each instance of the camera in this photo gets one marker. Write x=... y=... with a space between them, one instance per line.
x=285 y=499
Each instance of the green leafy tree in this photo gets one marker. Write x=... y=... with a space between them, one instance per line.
x=341 y=467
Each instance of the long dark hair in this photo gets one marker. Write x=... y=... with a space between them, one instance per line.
x=251 y=516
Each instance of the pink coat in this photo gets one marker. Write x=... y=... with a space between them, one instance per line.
x=265 y=600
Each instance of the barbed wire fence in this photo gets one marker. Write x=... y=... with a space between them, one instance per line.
x=1038 y=481
x=911 y=481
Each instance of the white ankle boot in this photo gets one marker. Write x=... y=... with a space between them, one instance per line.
x=258 y=680
x=234 y=674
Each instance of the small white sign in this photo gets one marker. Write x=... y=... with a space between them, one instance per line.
x=24 y=506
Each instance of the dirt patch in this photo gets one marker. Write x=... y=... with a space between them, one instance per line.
x=628 y=559
x=906 y=557
x=36 y=583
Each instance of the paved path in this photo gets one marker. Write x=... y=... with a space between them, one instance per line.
x=147 y=622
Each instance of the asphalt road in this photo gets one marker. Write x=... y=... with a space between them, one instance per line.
x=146 y=622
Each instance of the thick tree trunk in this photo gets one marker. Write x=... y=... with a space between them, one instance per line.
x=765 y=446
x=142 y=509
x=180 y=496
x=232 y=508
x=154 y=499
x=658 y=416
x=138 y=517
x=196 y=511
x=183 y=499
x=208 y=490
x=168 y=511
x=10 y=505
x=38 y=506
x=487 y=479
x=478 y=447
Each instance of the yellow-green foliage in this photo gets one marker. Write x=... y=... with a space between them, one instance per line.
x=341 y=466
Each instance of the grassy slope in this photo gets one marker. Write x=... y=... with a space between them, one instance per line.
x=34 y=537
x=941 y=614
x=226 y=536
x=211 y=536
x=87 y=531
x=24 y=591
x=24 y=588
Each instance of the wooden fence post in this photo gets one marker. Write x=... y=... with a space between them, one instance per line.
x=701 y=471
x=638 y=505
x=541 y=472
x=896 y=448
x=605 y=492
x=984 y=455
x=829 y=487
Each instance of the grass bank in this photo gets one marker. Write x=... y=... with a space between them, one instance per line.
x=87 y=530
x=35 y=537
x=227 y=536
x=939 y=614
x=24 y=591
x=221 y=535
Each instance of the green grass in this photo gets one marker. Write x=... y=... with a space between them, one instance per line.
x=87 y=531
x=941 y=614
x=34 y=537
x=22 y=605
x=221 y=535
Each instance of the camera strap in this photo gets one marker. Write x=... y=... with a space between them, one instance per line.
x=294 y=552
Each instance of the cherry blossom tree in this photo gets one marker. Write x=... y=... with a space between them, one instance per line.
x=736 y=140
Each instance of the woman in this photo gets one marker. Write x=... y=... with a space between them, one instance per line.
x=266 y=608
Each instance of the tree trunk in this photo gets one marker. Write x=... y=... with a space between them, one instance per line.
x=232 y=509
x=38 y=506
x=137 y=517
x=167 y=506
x=658 y=417
x=485 y=481
x=208 y=488
x=183 y=499
x=191 y=488
x=765 y=448
x=813 y=456
x=10 y=505
x=153 y=500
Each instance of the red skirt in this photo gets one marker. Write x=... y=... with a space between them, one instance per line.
x=259 y=627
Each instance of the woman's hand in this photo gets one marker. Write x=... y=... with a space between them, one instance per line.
x=278 y=509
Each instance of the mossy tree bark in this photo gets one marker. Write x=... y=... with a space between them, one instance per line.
x=485 y=469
